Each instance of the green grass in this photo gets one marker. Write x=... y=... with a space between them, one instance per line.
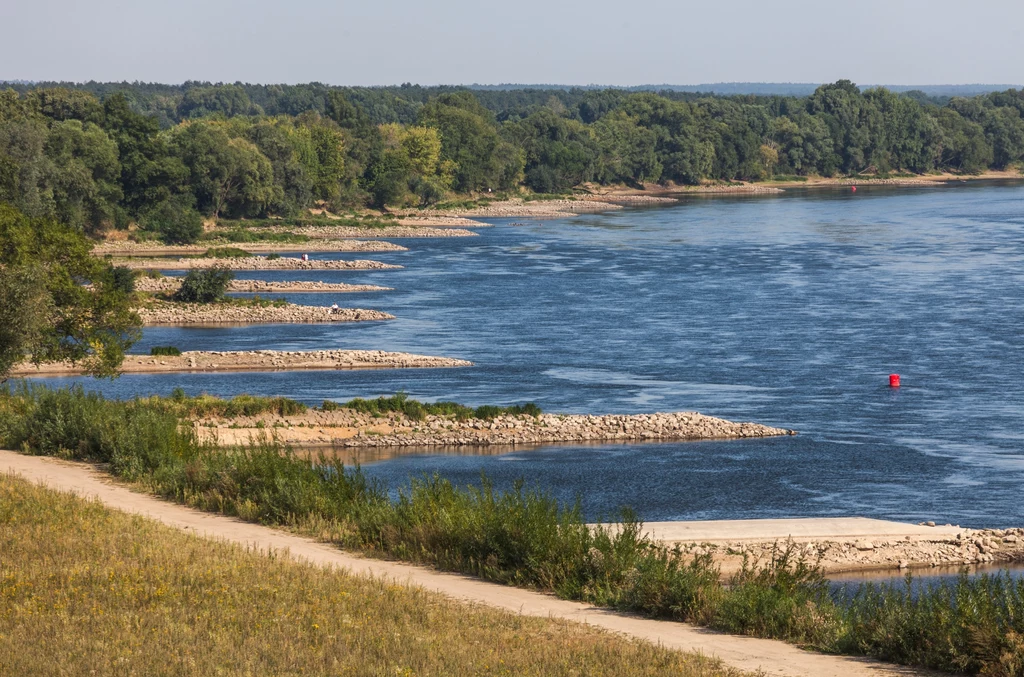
x=521 y=537
x=400 y=403
x=169 y=351
x=225 y=253
x=241 y=235
x=85 y=590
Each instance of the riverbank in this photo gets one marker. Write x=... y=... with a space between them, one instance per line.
x=170 y=284
x=255 y=360
x=843 y=544
x=349 y=428
x=603 y=198
x=250 y=263
x=160 y=312
x=329 y=232
x=128 y=248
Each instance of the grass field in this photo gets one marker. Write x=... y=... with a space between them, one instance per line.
x=89 y=591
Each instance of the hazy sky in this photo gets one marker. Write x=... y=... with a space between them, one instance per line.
x=527 y=41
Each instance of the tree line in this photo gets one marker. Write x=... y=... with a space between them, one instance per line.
x=98 y=155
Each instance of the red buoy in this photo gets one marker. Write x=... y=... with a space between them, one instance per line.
x=894 y=380
x=854 y=188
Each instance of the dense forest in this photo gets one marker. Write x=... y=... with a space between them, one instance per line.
x=101 y=155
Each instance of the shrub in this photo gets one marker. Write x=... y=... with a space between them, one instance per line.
x=400 y=403
x=123 y=279
x=169 y=351
x=174 y=221
x=204 y=286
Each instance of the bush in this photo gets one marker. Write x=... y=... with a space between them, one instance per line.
x=174 y=221
x=169 y=351
x=123 y=279
x=204 y=286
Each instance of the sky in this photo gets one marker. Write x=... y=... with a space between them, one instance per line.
x=382 y=42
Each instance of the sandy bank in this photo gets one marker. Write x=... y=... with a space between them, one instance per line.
x=844 y=544
x=346 y=428
x=251 y=263
x=257 y=360
x=171 y=284
x=223 y=313
x=149 y=249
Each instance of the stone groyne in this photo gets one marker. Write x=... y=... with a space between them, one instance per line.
x=256 y=360
x=171 y=284
x=128 y=248
x=251 y=263
x=227 y=313
x=347 y=428
x=335 y=232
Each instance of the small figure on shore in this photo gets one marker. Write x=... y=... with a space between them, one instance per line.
x=334 y=308
x=305 y=257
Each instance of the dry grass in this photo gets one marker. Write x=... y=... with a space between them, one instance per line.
x=89 y=591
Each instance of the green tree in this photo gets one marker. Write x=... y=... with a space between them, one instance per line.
x=86 y=172
x=57 y=302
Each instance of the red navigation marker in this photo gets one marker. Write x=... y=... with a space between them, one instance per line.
x=894 y=380
x=854 y=188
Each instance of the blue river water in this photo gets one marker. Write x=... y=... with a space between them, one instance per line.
x=789 y=310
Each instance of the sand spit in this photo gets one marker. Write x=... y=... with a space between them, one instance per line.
x=325 y=245
x=223 y=313
x=946 y=548
x=251 y=263
x=346 y=428
x=257 y=360
x=171 y=284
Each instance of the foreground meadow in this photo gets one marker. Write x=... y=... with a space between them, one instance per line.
x=89 y=591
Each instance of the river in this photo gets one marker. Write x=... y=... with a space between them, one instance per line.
x=789 y=310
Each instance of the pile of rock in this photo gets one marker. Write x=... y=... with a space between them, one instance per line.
x=349 y=428
x=127 y=248
x=325 y=231
x=171 y=284
x=257 y=360
x=223 y=313
x=253 y=263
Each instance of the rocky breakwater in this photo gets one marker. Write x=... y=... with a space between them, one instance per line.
x=128 y=248
x=171 y=284
x=227 y=313
x=347 y=428
x=257 y=360
x=324 y=232
x=252 y=263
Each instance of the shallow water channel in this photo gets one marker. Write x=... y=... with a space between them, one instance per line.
x=789 y=310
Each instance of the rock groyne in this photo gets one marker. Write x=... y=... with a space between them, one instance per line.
x=170 y=284
x=251 y=263
x=128 y=248
x=256 y=360
x=226 y=313
x=347 y=428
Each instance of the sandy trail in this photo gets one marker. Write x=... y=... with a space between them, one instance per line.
x=775 y=658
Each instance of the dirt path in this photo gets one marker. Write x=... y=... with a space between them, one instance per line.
x=774 y=658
